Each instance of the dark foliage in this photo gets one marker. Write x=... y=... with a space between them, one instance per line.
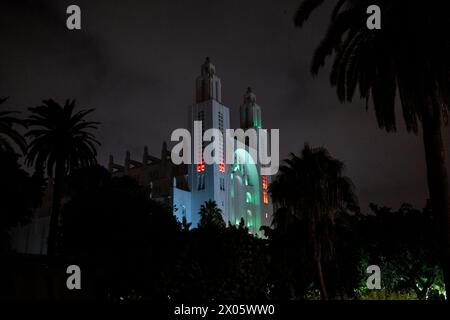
x=19 y=194
x=408 y=56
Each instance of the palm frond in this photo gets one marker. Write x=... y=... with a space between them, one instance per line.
x=57 y=132
x=11 y=138
x=305 y=10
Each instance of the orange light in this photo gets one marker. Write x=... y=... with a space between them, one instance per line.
x=201 y=167
x=266 y=197
x=264 y=182
x=222 y=167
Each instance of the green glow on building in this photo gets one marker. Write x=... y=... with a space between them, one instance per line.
x=249 y=170
x=248 y=197
x=257 y=124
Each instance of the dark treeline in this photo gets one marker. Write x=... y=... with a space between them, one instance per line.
x=320 y=243
x=403 y=64
x=131 y=247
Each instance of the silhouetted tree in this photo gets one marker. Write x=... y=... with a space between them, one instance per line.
x=312 y=188
x=401 y=57
x=220 y=264
x=211 y=215
x=19 y=194
x=403 y=244
x=292 y=275
x=123 y=239
x=60 y=142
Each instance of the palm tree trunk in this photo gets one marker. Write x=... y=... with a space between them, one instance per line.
x=320 y=276
x=56 y=207
x=438 y=181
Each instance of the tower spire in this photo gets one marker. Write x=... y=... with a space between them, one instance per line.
x=249 y=97
x=208 y=85
x=250 y=111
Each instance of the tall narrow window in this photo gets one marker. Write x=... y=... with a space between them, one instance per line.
x=248 y=197
x=264 y=182
x=199 y=182
x=221 y=155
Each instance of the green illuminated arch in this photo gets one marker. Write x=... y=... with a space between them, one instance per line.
x=246 y=162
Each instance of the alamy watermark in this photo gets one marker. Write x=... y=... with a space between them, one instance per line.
x=255 y=141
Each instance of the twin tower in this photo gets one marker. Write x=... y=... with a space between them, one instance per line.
x=238 y=189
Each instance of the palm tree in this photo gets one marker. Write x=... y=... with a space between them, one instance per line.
x=9 y=136
x=61 y=142
x=312 y=188
x=211 y=215
x=408 y=55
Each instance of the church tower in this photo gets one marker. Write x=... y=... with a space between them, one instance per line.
x=208 y=85
x=250 y=112
x=249 y=196
x=209 y=182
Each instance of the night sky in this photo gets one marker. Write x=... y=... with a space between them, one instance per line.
x=135 y=62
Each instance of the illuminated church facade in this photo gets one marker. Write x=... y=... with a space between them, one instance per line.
x=238 y=189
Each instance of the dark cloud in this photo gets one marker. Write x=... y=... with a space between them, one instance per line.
x=136 y=62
